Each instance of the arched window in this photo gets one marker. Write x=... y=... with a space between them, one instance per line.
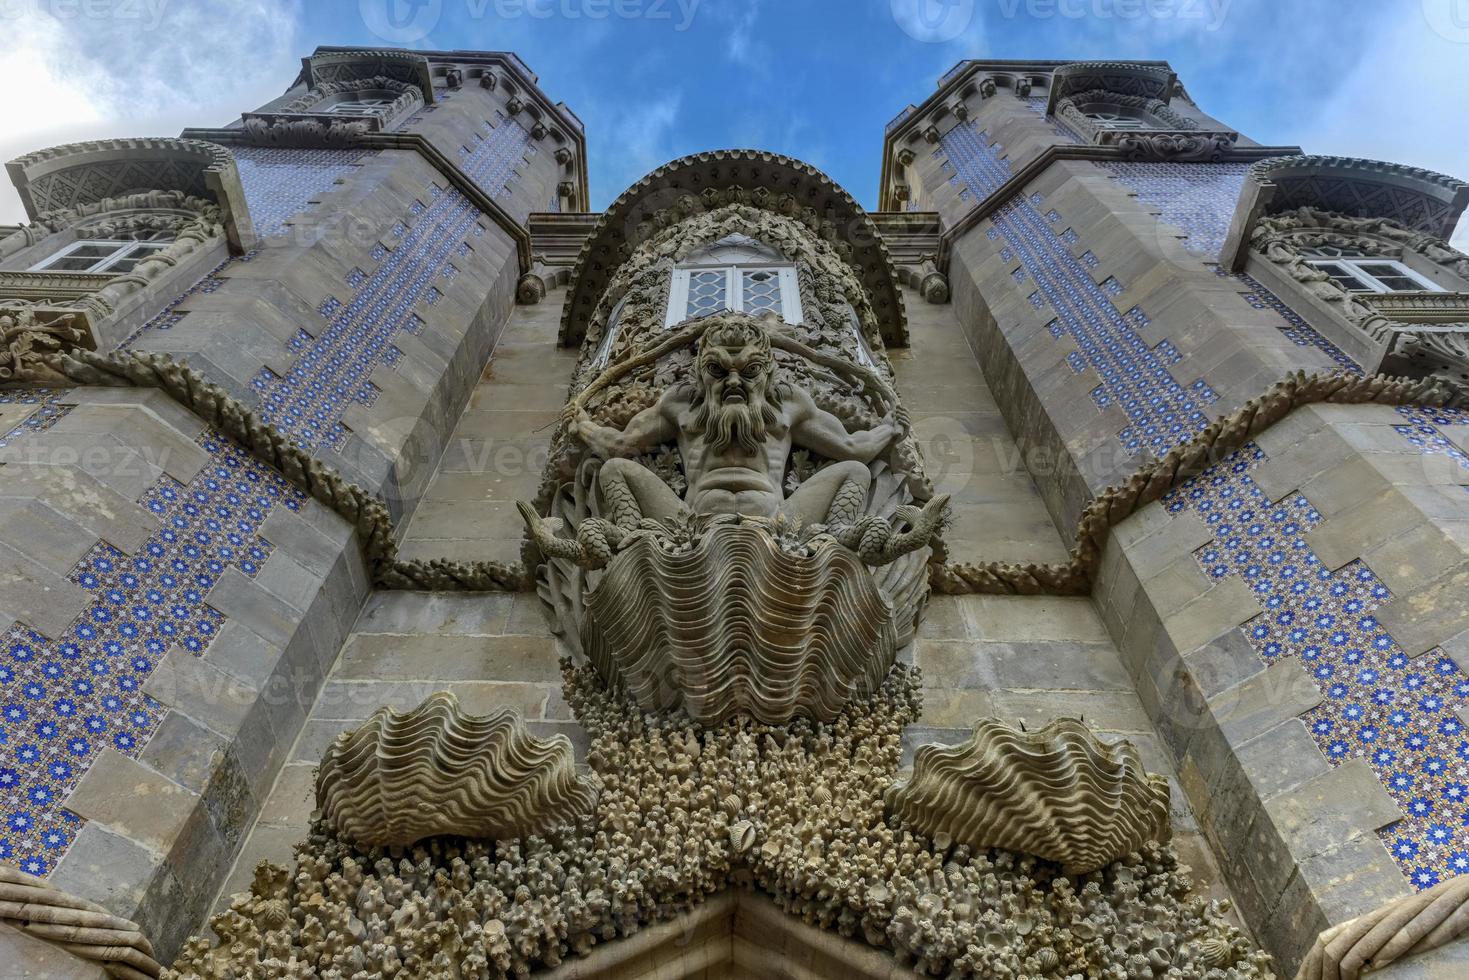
x=1358 y=270
x=736 y=273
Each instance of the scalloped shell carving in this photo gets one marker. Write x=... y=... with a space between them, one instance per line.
x=1059 y=793
x=436 y=770
x=733 y=623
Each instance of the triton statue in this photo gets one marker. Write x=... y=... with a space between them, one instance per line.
x=735 y=425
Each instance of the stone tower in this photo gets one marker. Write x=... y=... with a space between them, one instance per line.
x=1145 y=444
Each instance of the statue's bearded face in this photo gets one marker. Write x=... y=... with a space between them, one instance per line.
x=735 y=401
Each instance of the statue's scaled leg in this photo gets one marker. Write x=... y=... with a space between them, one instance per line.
x=835 y=495
x=631 y=492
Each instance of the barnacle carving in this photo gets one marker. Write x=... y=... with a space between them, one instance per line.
x=436 y=770
x=732 y=622
x=25 y=342
x=1059 y=793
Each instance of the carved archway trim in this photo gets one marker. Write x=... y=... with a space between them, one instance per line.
x=768 y=176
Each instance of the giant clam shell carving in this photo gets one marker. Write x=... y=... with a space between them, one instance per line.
x=732 y=622
x=1059 y=793
x=436 y=770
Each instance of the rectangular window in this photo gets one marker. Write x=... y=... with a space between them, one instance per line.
x=116 y=257
x=741 y=289
x=1373 y=275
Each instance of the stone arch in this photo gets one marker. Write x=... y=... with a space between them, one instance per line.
x=767 y=182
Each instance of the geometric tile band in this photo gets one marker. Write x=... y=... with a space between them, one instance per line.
x=64 y=699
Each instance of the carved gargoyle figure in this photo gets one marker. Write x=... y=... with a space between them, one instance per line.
x=735 y=425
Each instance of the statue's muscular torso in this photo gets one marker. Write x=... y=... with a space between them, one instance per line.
x=732 y=480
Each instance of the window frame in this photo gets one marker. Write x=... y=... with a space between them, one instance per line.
x=734 y=293
x=371 y=106
x=129 y=248
x=1353 y=265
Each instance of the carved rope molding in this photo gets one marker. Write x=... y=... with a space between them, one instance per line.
x=368 y=515
x=1405 y=927
x=1219 y=439
x=82 y=928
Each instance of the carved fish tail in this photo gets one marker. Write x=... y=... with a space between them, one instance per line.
x=622 y=504
x=846 y=505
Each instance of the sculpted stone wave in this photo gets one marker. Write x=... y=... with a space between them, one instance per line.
x=1059 y=793
x=733 y=622
x=436 y=770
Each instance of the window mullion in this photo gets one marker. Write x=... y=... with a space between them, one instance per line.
x=734 y=291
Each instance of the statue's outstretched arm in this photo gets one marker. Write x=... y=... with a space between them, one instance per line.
x=821 y=432
x=649 y=428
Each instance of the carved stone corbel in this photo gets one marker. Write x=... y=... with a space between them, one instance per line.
x=487 y=80
x=960 y=110
x=987 y=87
x=905 y=156
x=531 y=289
x=564 y=155
x=931 y=134
x=515 y=106
x=1022 y=88
x=934 y=286
x=538 y=131
x=454 y=77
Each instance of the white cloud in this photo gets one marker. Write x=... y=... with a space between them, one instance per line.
x=92 y=69
x=1403 y=102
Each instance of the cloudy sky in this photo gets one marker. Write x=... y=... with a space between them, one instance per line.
x=817 y=79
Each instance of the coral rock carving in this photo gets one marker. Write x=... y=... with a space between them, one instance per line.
x=1059 y=793
x=86 y=930
x=685 y=812
x=436 y=770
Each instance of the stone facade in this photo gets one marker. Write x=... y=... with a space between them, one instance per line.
x=262 y=482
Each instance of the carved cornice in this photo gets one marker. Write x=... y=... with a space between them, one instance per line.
x=1131 y=78
x=320 y=130
x=768 y=177
x=1417 y=199
x=75 y=175
x=347 y=65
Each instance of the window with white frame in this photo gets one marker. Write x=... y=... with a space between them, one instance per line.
x=1109 y=119
x=1358 y=271
x=100 y=255
x=360 y=107
x=736 y=273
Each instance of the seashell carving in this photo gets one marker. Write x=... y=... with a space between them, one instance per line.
x=741 y=836
x=436 y=770
x=1059 y=793
x=734 y=623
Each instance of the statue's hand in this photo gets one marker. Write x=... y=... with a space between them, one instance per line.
x=592 y=435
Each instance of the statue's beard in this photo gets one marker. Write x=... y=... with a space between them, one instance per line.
x=742 y=424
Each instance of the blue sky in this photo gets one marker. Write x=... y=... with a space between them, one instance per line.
x=817 y=79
